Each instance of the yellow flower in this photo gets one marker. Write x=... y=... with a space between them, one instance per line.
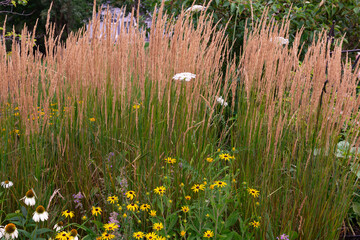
x=145 y=207
x=151 y=236
x=234 y=180
x=130 y=195
x=209 y=159
x=136 y=106
x=212 y=186
x=158 y=226
x=170 y=201
x=257 y=204
x=198 y=187
x=96 y=210
x=92 y=119
x=255 y=224
x=124 y=215
x=253 y=192
x=68 y=213
x=187 y=197
x=182 y=184
x=138 y=235
x=182 y=233
x=170 y=160
x=83 y=218
x=220 y=184
x=107 y=236
x=112 y=199
x=153 y=213
x=160 y=190
x=185 y=209
x=161 y=238
x=226 y=156
x=132 y=207
x=208 y=234
x=62 y=236
x=111 y=226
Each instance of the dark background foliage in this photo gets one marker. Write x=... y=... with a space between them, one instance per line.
x=312 y=15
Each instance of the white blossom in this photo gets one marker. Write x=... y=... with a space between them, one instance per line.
x=196 y=8
x=184 y=76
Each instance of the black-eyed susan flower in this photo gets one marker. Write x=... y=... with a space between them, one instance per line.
x=158 y=226
x=132 y=207
x=67 y=213
x=253 y=192
x=112 y=199
x=170 y=160
x=110 y=226
x=153 y=213
x=107 y=236
x=145 y=207
x=138 y=235
x=198 y=187
x=29 y=198
x=226 y=157
x=185 y=209
x=182 y=233
x=130 y=195
x=188 y=198
x=40 y=214
x=220 y=184
x=96 y=210
x=7 y=184
x=74 y=234
x=124 y=215
x=10 y=231
x=208 y=234
x=58 y=226
x=160 y=190
x=212 y=186
x=63 y=236
x=151 y=236
x=255 y=224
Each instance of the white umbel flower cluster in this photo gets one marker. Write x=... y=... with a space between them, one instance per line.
x=221 y=101
x=196 y=8
x=280 y=40
x=185 y=76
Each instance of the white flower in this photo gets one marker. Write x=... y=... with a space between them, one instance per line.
x=280 y=40
x=29 y=198
x=184 y=76
x=58 y=226
x=221 y=101
x=7 y=184
x=10 y=231
x=40 y=214
x=196 y=8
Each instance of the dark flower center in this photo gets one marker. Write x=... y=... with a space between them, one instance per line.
x=40 y=209
x=73 y=232
x=30 y=194
x=60 y=224
x=10 y=228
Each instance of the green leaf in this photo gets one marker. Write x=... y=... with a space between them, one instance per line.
x=171 y=221
x=231 y=220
